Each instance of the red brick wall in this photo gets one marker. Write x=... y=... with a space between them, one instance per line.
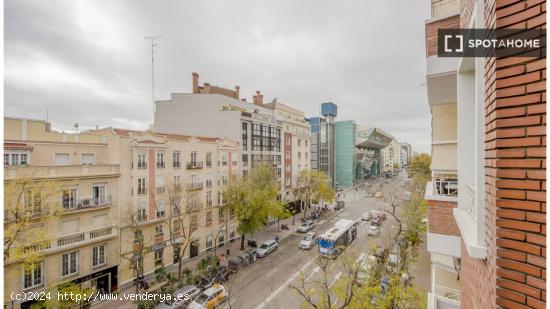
x=440 y=218
x=515 y=174
x=431 y=32
x=466 y=10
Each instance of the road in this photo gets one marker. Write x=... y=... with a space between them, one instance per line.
x=265 y=284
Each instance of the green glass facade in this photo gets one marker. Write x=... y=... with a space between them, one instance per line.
x=346 y=167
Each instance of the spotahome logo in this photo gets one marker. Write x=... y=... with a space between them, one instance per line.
x=491 y=43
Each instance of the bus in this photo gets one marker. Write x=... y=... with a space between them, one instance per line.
x=337 y=238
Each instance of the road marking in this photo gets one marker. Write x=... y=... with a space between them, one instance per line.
x=335 y=279
x=272 y=272
x=277 y=291
x=312 y=273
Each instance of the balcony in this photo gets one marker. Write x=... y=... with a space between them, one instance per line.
x=194 y=207
x=442 y=190
x=445 y=288
x=193 y=165
x=195 y=186
x=444 y=7
x=72 y=240
x=62 y=171
x=86 y=204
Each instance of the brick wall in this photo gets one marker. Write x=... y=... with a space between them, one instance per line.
x=440 y=218
x=515 y=173
x=466 y=10
x=431 y=32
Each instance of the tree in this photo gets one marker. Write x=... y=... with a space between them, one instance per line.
x=312 y=187
x=419 y=169
x=183 y=204
x=66 y=296
x=132 y=220
x=253 y=200
x=28 y=203
x=328 y=290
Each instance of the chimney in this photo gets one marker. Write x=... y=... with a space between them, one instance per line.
x=237 y=88
x=258 y=98
x=195 y=82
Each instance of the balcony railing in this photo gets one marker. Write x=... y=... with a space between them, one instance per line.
x=61 y=171
x=444 y=7
x=195 y=186
x=67 y=241
x=445 y=187
x=194 y=165
x=86 y=203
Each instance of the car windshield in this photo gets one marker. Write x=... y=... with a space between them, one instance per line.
x=373 y=227
x=264 y=246
x=308 y=237
x=202 y=298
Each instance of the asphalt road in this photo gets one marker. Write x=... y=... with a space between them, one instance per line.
x=265 y=284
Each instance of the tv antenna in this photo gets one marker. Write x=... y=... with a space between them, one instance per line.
x=153 y=44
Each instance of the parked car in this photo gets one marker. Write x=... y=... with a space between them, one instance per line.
x=374 y=230
x=210 y=298
x=375 y=221
x=306 y=227
x=267 y=247
x=181 y=298
x=378 y=194
x=308 y=241
x=370 y=195
x=366 y=216
x=378 y=214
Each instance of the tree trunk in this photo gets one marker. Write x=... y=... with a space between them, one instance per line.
x=180 y=264
x=242 y=242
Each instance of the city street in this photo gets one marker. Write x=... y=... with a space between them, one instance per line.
x=265 y=284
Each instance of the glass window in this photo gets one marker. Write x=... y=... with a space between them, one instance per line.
x=33 y=275
x=98 y=255
x=69 y=264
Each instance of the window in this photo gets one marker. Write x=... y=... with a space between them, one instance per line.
x=60 y=159
x=99 y=256
x=141 y=162
x=305 y=142
x=160 y=209
x=160 y=160
x=141 y=186
x=177 y=180
x=209 y=241
x=221 y=238
x=221 y=213
x=176 y=159
x=69 y=264
x=16 y=158
x=209 y=218
x=208 y=183
x=193 y=158
x=158 y=230
x=160 y=184
x=194 y=222
x=33 y=275
x=159 y=254
x=68 y=198
x=99 y=192
x=470 y=213
x=299 y=155
x=208 y=159
x=87 y=158
x=224 y=160
x=138 y=237
x=299 y=142
x=142 y=214
x=224 y=180
x=245 y=160
x=33 y=201
x=208 y=199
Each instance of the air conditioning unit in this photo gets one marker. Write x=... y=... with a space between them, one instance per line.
x=86 y=202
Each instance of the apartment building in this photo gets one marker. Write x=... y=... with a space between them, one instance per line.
x=405 y=153
x=323 y=140
x=296 y=137
x=217 y=112
x=151 y=162
x=345 y=153
x=391 y=157
x=487 y=197
x=76 y=221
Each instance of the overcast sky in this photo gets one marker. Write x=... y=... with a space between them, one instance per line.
x=88 y=61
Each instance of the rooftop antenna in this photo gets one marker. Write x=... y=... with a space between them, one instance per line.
x=153 y=44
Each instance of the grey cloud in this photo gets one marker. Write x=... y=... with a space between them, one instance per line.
x=366 y=56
